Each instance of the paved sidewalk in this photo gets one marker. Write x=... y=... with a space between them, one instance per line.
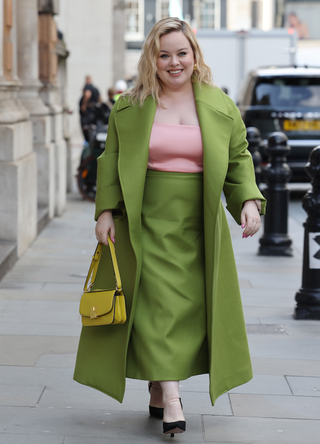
x=40 y=326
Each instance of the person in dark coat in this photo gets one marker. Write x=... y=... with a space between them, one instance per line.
x=90 y=98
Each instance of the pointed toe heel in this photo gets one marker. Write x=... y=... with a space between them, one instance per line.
x=175 y=426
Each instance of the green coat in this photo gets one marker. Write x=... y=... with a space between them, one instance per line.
x=101 y=359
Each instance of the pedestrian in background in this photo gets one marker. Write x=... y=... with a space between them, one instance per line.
x=175 y=141
x=90 y=98
x=120 y=87
x=110 y=102
x=300 y=27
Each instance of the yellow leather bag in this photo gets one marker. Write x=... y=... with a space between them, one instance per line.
x=103 y=307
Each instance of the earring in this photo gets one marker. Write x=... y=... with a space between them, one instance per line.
x=157 y=75
x=195 y=67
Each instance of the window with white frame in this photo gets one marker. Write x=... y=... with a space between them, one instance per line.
x=162 y=9
x=207 y=11
x=134 y=19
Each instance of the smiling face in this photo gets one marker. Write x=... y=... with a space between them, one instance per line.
x=176 y=60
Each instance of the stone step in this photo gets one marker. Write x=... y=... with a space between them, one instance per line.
x=43 y=218
x=8 y=256
x=8 y=249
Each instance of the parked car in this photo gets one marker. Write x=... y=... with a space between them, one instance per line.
x=286 y=100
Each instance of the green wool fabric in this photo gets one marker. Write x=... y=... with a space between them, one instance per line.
x=122 y=170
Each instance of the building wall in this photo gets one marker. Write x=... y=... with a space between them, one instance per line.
x=39 y=84
x=87 y=26
x=18 y=169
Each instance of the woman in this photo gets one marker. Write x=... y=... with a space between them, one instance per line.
x=174 y=143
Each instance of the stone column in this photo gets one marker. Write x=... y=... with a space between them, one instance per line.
x=28 y=71
x=63 y=54
x=119 y=45
x=48 y=62
x=18 y=169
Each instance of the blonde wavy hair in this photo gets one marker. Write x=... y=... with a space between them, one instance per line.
x=147 y=83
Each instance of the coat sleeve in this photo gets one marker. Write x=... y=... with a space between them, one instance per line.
x=109 y=194
x=240 y=184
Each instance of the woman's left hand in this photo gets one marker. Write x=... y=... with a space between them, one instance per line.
x=250 y=218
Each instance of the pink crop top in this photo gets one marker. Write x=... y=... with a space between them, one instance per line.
x=176 y=148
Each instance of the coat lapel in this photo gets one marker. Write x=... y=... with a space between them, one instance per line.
x=216 y=126
x=134 y=124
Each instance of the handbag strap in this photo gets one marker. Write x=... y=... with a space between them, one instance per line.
x=95 y=265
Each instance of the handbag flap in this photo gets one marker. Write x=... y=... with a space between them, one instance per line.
x=97 y=303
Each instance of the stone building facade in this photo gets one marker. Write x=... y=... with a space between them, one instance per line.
x=33 y=158
x=18 y=160
x=42 y=71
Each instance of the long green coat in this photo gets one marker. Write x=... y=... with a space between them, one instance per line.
x=101 y=359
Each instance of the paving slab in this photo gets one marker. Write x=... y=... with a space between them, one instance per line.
x=284 y=347
x=253 y=298
x=23 y=438
x=251 y=320
x=63 y=287
x=50 y=318
x=266 y=385
x=199 y=383
x=54 y=360
x=92 y=423
x=22 y=285
x=54 y=252
x=33 y=260
x=267 y=329
x=304 y=386
x=82 y=397
x=26 y=350
x=260 y=430
x=272 y=315
x=18 y=356
x=14 y=294
x=271 y=280
x=45 y=274
x=257 y=267
x=267 y=406
x=20 y=395
x=281 y=366
x=245 y=283
x=127 y=440
x=303 y=329
x=36 y=376
x=40 y=325
x=40 y=329
x=42 y=312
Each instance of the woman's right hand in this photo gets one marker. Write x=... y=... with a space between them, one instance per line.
x=104 y=227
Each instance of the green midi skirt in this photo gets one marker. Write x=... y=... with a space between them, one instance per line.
x=169 y=335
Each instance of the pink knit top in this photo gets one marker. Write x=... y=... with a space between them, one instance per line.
x=176 y=148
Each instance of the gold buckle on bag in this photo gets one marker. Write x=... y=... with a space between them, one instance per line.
x=93 y=313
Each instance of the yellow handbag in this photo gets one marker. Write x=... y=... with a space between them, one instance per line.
x=102 y=307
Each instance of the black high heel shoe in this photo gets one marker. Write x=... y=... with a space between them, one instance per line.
x=156 y=412
x=176 y=426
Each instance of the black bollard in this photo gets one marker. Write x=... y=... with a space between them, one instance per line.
x=308 y=297
x=254 y=140
x=275 y=241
